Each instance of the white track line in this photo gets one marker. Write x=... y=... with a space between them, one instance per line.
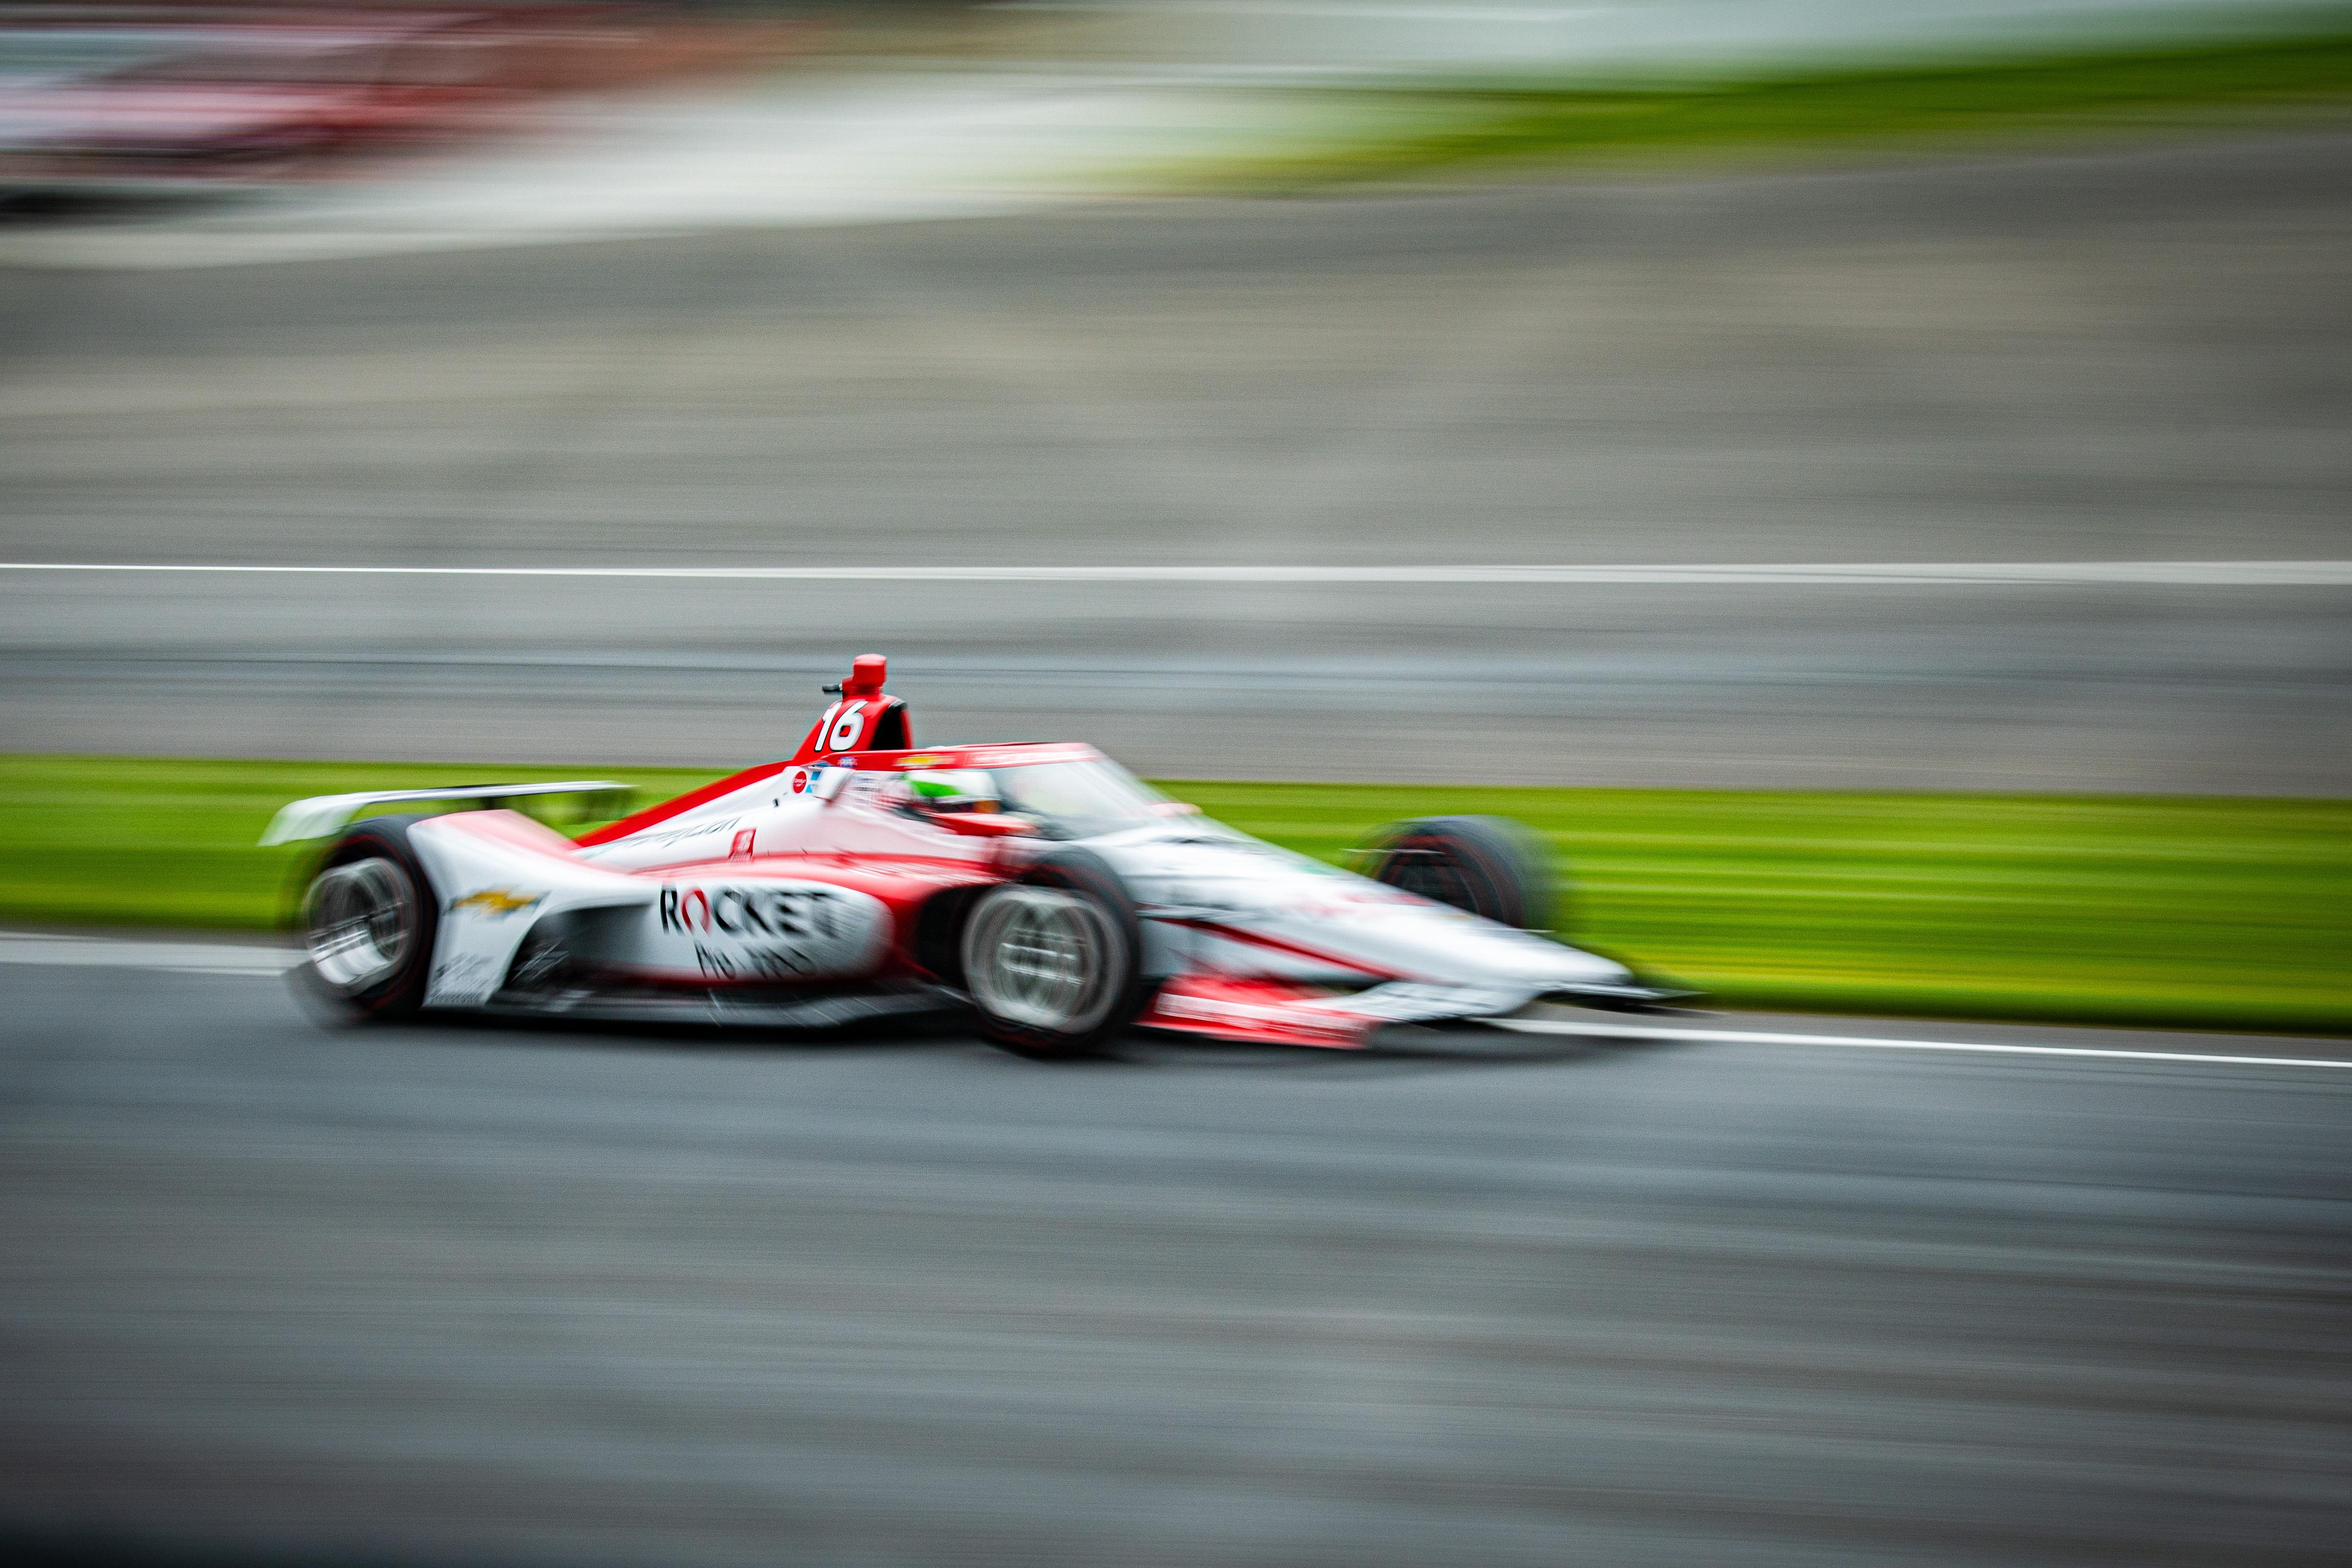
x=2158 y=573
x=1864 y=1042
x=213 y=958
x=181 y=957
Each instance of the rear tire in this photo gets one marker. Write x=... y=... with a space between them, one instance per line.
x=1489 y=865
x=1055 y=960
x=368 y=923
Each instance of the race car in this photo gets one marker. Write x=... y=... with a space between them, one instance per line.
x=1037 y=885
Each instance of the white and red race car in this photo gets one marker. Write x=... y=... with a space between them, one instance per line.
x=1039 y=885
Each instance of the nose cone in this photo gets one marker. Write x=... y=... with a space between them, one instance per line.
x=1542 y=962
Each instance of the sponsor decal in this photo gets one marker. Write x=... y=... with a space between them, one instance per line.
x=770 y=931
x=800 y=780
x=464 y=977
x=752 y=912
x=679 y=835
x=921 y=762
x=496 y=903
x=756 y=964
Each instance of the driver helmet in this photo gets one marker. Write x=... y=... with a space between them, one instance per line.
x=955 y=789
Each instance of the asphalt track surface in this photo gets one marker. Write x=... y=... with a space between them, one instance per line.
x=2132 y=353
x=490 y=1296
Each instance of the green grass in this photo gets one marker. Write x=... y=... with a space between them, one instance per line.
x=129 y=841
x=2229 y=913
x=1431 y=126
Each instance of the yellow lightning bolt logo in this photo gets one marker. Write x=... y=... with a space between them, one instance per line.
x=495 y=902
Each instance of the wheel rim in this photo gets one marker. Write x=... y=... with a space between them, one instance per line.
x=1042 y=960
x=362 y=921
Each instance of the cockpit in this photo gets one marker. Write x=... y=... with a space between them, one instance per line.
x=1058 y=800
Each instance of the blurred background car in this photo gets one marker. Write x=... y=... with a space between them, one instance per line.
x=149 y=99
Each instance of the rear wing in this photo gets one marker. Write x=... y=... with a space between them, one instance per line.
x=324 y=813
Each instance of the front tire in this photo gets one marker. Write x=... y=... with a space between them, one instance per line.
x=1489 y=865
x=1055 y=960
x=368 y=923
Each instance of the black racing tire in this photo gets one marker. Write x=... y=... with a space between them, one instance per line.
x=1054 y=958
x=1489 y=865
x=368 y=923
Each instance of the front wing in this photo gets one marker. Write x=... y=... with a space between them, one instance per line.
x=1287 y=1013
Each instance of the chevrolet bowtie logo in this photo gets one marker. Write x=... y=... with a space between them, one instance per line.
x=495 y=902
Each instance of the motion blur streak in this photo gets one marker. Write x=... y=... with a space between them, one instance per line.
x=23 y=947
x=479 y=1297
x=524 y=385
x=1870 y=1043
x=125 y=102
x=2226 y=574
x=2125 y=354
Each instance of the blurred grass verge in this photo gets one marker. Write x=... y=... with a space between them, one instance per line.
x=2190 y=911
x=1432 y=127
x=2226 y=914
